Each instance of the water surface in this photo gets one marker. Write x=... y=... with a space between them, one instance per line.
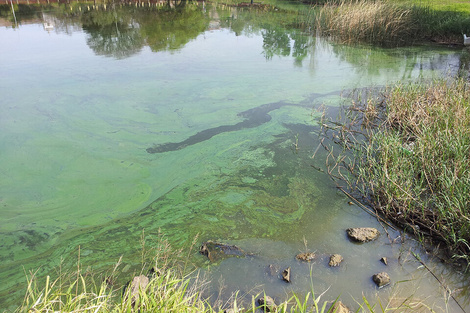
x=185 y=120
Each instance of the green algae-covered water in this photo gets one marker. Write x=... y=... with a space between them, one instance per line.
x=191 y=120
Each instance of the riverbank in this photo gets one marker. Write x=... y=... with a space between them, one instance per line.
x=413 y=165
x=169 y=283
x=390 y=24
x=383 y=23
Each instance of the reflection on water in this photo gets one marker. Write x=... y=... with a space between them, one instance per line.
x=230 y=100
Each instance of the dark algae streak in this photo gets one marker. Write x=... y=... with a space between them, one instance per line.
x=253 y=118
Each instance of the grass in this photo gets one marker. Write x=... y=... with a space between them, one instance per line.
x=167 y=292
x=423 y=168
x=414 y=164
x=388 y=23
x=462 y=6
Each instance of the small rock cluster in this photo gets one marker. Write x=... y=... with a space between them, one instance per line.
x=366 y=234
x=357 y=235
x=306 y=256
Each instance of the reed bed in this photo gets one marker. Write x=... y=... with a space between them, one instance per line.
x=413 y=163
x=387 y=23
x=367 y=21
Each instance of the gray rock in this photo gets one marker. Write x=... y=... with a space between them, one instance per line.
x=267 y=303
x=272 y=270
x=335 y=260
x=362 y=234
x=381 y=279
x=306 y=256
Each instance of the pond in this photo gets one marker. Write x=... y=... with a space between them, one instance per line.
x=193 y=120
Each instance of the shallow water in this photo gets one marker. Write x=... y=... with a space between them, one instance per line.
x=115 y=125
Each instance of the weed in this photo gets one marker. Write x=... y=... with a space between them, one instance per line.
x=413 y=163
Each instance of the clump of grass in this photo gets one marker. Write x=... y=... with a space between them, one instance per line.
x=167 y=292
x=387 y=23
x=367 y=21
x=422 y=169
x=171 y=288
x=414 y=165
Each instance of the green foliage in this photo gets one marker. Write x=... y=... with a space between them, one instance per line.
x=439 y=5
x=415 y=166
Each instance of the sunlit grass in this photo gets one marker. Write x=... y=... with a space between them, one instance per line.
x=420 y=166
x=388 y=23
x=414 y=163
x=462 y=6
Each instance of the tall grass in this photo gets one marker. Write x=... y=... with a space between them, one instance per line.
x=170 y=288
x=387 y=23
x=420 y=166
x=167 y=292
x=414 y=165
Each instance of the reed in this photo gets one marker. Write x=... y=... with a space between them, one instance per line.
x=387 y=23
x=420 y=168
x=413 y=163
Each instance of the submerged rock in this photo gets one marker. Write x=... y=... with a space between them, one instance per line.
x=306 y=256
x=335 y=260
x=216 y=251
x=362 y=234
x=272 y=270
x=286 y=275
x=267 y=303
x=381 y=279
x=339 y=307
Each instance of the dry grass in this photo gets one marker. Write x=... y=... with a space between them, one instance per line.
x=388 y=23
x=369 y=21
